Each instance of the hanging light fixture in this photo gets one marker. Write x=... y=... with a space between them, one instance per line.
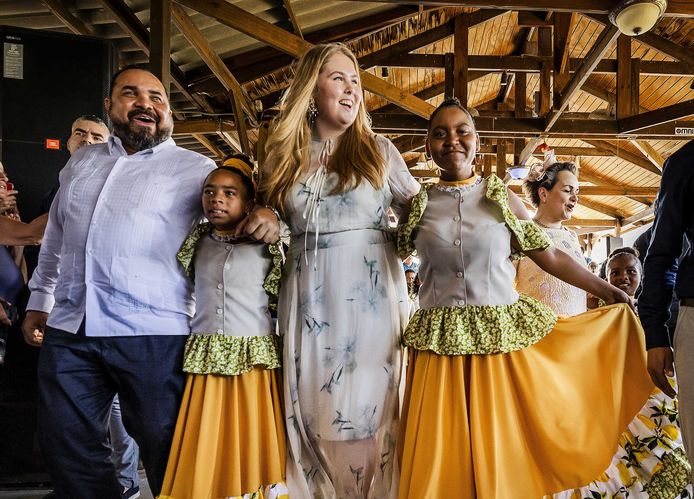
x=635 y=17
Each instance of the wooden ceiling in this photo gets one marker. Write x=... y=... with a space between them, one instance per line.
x=528 y=68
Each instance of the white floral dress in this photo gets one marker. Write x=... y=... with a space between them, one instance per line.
x=342 y=308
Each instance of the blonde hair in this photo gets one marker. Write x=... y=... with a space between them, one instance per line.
x=357 y=156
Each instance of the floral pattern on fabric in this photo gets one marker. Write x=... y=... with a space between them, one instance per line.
x=186 y=254
x=405 y=236
x=650 y=461
x=528 y=234
x=480 y=329
x=230 y=355
x=272 y=281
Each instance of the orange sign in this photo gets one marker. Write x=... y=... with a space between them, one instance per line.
x=52 y=144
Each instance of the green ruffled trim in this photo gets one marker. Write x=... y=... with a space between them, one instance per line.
x=528 y=234
x=405 y=239
x=480 y=329
x=672 y=478
x=230 y=355
x=186 y=254
x=272 y=280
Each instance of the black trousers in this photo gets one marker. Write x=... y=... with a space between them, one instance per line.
x=78 y=378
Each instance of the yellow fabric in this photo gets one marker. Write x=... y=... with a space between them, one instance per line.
x=229 y=438
x=240 y=164
x=458 y=183
x=527 y=423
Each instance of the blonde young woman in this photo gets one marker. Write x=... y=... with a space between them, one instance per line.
x=343 y=299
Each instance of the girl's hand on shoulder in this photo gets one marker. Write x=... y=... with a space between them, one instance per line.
x=261 y=224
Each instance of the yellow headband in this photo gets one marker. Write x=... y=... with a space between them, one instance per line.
x=241 y=165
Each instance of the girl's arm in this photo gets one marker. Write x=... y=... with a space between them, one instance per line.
x=559 y=264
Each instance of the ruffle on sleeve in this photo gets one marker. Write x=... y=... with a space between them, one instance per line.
x=405 y=235
x=272 y=280
x=186 y=253
x=528 y=234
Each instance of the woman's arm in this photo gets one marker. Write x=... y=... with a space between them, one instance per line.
x=15 y=233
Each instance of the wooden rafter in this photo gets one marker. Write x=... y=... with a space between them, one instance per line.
x=649 y=152
x=620 y=152
x=595 y=222
x=608 y=35
x=600 y=207
x=563 y=23
x=594 y=190
x=241 y=102
x=201 y=126
x=292 y=18
x=60 y=10
x=209 y=145
x=675 y=8
x=139 y=34
x=261 y=30
x=656 y=117
x=160 y=41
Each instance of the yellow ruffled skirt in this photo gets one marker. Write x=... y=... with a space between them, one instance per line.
x=230 y=439
x=524 y=424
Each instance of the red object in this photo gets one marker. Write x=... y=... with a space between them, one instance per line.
x=9 y=186
x=52 y=144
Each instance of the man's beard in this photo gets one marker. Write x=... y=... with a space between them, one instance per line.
x=140 y=138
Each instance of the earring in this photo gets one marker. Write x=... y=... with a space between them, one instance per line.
x=312 y=112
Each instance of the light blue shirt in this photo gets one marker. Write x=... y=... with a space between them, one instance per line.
x=110 y=246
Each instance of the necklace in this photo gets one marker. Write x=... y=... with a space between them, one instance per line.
x=225 y=236
x=458 y=185
x=545 y=226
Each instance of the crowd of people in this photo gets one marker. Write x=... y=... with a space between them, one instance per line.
x=170 y=313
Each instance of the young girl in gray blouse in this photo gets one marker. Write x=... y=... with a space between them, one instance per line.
x=229 y=439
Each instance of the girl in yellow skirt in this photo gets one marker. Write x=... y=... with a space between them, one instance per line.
x=504 y=400
x=229 y=439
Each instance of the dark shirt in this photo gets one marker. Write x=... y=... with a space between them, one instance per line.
x=11 y=278
x=674 y=220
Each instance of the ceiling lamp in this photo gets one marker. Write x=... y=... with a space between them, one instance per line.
x=635 y=17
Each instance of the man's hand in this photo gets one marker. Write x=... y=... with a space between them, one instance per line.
x=660 y=366
x=261 y=224
x=8 y=200
x=33 y=327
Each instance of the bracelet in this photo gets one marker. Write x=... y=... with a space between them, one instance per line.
x=274 y=210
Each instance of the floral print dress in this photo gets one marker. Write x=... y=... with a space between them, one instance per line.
x=342 y=308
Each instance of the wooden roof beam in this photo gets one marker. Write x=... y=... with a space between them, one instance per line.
x=594 y=190
x=649 y=152
x=656 y=117
x=658 y=42
x=241 y=102
x=624 y=154
x=261 y=30
x=201 y=126
x=600 y=207
x=129 y=22
x=255 y=63
x=209 y=145
x=586 y=222
x=608 y=35
x=675 y=8
x=292 y=18
x=60 y=10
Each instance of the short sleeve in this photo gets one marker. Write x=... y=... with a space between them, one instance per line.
x=528 y=234
x=406 y=231
x=403 y=186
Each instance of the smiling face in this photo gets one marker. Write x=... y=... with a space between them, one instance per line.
x=338 y=96
x=139 y=110
x=558 y=203
x=452 y=143
x=225 y=199
x=86 y=132
x=624 y=272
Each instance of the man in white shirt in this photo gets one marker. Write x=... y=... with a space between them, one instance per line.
x=119 y=304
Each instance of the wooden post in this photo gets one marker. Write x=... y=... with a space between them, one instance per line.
x=563 y=23
x=461 y=58
x=624 y=74
x=635 y=86
x=544 y=40
x=160 y=41
x=449 y=75
x=501 y=158
x=520 y=87
x=487 y=165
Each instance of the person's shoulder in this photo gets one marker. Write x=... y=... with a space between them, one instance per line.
x=191 y=156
